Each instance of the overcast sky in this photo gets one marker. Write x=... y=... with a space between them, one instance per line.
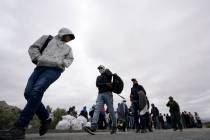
x=163 y=44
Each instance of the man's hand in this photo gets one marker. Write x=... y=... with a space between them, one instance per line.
x=168 y=104
x=109 y=85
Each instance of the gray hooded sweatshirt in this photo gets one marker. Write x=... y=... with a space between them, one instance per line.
x=56 y=54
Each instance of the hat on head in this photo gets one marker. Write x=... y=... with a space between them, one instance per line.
x=170 y=97
x=101 y=67
x=133 y=79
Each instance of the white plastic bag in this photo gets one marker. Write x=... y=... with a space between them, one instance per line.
x=88 y=124
x=76 y=125
x=63 y=125
x=82 y=119
x=68 y=117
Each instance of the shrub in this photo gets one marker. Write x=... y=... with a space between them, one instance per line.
x=57 y=116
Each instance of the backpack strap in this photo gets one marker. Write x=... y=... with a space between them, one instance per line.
x=49 y=38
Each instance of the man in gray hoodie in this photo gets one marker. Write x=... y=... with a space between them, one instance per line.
x=50 y=63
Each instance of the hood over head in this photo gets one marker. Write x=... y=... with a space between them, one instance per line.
x=65 y=31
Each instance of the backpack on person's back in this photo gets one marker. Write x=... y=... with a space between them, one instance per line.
x=142 y=99
x=49 y=38
x=117 y=84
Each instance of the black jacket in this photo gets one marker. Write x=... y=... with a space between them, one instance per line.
x=174 y=107
x=134 y=91
x=155 y=111
x=102 y=80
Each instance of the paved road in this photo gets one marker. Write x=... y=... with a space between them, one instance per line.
x=187 y=134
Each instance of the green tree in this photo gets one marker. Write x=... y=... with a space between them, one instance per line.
x=57 y=116
x=8 y=117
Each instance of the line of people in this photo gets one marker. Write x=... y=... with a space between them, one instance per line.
x=141 y=120
x=126 y=119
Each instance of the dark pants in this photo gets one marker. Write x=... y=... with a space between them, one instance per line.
x=143 y=121
x=102 y=121
x=176 y=120
x=136 y=114
x=148 y=121
x=39 y=81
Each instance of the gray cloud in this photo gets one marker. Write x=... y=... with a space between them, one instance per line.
x=163 y=44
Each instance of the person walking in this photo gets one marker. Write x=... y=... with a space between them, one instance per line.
x=84 y=113
x=148 y=117
x=50 y=63
x=105 y=96
x=135 y=101
x=143 y=113
x=175 y=113
x=155 y=116
x=198 y=120
x=122 y=113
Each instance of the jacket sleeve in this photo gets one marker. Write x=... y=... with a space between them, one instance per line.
x=157 y=111
x=68 y=59
x=34 y=50
x=177 y=106
x=168 y=104
x=131 y=96
x=151 y=111
x=148 y=104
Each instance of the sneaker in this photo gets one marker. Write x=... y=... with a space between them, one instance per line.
x=150 y=130
x=45 y=125
x=89 y=130
x=114 y=130
x=15 y=133
x=143 y=131
x=137 y=130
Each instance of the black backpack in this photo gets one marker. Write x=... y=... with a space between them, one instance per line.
x=142 y=100
x=49 y=38
x=117 y=84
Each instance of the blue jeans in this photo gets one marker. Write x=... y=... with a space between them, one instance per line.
x=104 y=98
x=39 y=81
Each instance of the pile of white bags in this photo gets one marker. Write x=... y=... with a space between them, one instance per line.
x=68 y=117
x=65 y=123
x=70 y=122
